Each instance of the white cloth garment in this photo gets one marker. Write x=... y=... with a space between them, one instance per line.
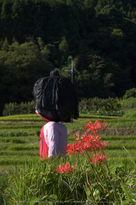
x=55 y=135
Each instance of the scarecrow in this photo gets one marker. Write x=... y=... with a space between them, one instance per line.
x=55 y=102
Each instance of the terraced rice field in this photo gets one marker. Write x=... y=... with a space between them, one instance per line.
x=19 y=138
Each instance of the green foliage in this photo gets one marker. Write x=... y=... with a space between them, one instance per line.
x=129 y=103
x=22 y=108
x=64 y=48
x=130 y=115
x=130 y=93
x=37 y=180
x=21 y=66
x=3 y=185
x=37 y=36
x=96 y=105
x=32 y=181
x=99 y=104
x=5 y=45
x=24 y=59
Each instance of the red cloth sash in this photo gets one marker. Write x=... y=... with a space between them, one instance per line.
x=43 y=146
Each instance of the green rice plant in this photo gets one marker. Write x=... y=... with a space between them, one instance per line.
x=119 y=137
x=18 y=134
x=21 y=140
x=23 y=147
x=17 y=160
x=21 y=133
x=3 y=146
x=18 y=153
x=23 y=126
x=113 y=139
x=32 y=133
x=13 y=140
x=35 y=117
x=122 y=142
x=119 y=147
x=25 y=117
x=5 y=134
x=90 y=116
x=121 y=123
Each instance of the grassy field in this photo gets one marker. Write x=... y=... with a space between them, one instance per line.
x=19 y=137
x=22 y=172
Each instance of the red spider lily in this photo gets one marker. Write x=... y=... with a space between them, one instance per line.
x=88 y=142
x=71 y=149
x=77 y=136
x=75 y=148
x=65 y=168
x=91 y=141
x=103 y=144
x=95 y=127
x=100 y=157
x=87 y=145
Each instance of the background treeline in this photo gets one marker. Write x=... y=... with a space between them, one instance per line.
x=99 y=106
x=40 y=35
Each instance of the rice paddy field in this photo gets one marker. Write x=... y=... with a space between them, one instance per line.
x=23 y=179
x=19 y=138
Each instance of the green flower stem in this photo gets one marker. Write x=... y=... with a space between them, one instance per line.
x=85 y=177
x=109 y=174
x=106 y=183
x=89 y=159
x=105 y=180
x=107 y=165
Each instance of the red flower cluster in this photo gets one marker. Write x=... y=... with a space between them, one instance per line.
x=88 y=142
x=96 y=126
x=65 y=168
x=100 y=157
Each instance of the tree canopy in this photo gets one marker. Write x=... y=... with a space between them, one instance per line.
x=40 y=35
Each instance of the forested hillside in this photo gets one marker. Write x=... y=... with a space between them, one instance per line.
x=40 y=35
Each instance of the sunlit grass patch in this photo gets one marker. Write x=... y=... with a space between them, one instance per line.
x=21 y=126
x=103 y=117
x=25 y=117
x=18 y=153
x=19 y=133
x=119 y=146
x=15 y=160
x=122 y=152
x=119 y=137
x=24 y=147
x=13 y=140
x=122 y=142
